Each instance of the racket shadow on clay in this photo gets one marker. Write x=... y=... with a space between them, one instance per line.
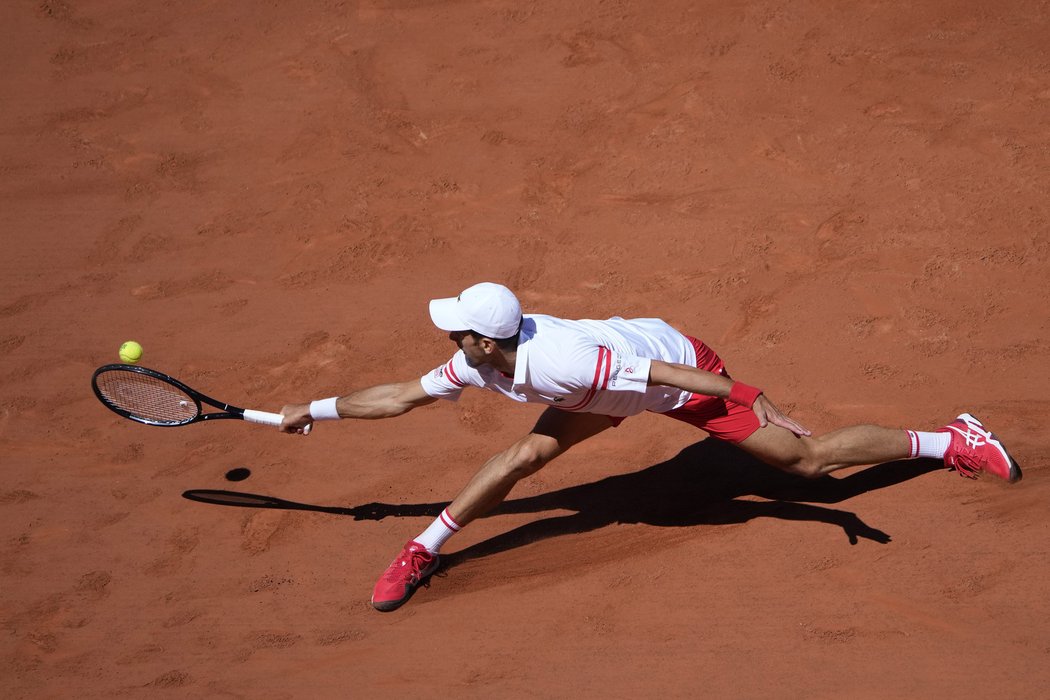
x=370 y=511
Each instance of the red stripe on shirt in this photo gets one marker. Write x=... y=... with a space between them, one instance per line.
x=451 y=373
x=604 y=358
x=608 y=369
x=583 y=402
x=605 y=376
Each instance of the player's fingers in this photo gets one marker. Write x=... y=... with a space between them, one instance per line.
x=796 y=428
x=768 y=412
x=762 y=420
x=293 y=429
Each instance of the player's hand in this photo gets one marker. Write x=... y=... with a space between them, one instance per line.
x=767 y=413
x=297 y=419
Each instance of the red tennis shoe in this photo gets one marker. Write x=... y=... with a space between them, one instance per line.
x=403 y=576
x=974 y=450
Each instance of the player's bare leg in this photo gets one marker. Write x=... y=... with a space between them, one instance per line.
x=816 y=456
x=554 y=433
x=965 y=445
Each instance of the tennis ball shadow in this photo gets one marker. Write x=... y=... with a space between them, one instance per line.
x=238 y=474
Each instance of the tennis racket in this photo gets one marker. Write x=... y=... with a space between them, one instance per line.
x=151 y=397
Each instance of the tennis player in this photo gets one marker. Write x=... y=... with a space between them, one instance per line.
x=594 y=374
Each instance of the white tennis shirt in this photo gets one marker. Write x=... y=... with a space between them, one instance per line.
x=586 y=366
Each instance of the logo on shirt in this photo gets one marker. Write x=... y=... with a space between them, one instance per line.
x=558 y=399
x=616 y=371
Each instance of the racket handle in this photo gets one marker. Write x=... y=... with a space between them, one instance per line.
x=263 y=417
x=269 y=419
x=274 y=419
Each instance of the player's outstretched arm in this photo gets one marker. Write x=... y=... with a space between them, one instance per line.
x=688 y=378
x=382 y=401
x=700 y=381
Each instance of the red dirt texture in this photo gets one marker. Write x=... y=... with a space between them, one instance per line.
x=848 y=201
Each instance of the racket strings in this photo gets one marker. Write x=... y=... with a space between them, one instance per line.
x=147 y=397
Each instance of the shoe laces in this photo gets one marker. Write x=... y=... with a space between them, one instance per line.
x=968 y=458
x=409 y=565
x=970 y=471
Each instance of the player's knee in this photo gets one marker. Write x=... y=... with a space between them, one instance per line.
x=525 y=459
x=809 y=469
x=810 y=461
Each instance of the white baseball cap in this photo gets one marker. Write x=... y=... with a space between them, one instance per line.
x=488 y=309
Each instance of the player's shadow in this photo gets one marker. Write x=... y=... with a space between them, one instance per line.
x=702 y=485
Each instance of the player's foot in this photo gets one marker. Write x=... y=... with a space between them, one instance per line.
x=974 y=449
x=403 y=576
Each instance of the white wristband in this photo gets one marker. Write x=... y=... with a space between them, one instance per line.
x=324 y=409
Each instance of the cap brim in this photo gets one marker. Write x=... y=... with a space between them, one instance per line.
x=445 y=314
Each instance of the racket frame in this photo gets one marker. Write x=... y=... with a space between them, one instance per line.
x=228 y=410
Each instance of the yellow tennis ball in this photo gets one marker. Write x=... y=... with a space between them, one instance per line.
x=130 y=352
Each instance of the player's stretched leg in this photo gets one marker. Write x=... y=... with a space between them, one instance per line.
x=816 y=456
x=554 y=433
x=964 y=444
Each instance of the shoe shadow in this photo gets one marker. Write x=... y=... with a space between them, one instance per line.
x=701 y=485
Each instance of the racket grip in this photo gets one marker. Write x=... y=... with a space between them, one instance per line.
x=263 y=417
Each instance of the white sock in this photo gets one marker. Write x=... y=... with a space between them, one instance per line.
x=438 y=533
x=929 y=444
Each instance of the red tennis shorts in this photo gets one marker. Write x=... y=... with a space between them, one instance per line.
x=719 y=418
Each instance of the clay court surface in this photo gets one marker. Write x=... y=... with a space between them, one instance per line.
x=848 y=201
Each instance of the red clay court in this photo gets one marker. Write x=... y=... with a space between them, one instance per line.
x=849 y=202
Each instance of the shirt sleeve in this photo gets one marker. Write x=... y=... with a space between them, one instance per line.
x=628 y=372
x=448 y=380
